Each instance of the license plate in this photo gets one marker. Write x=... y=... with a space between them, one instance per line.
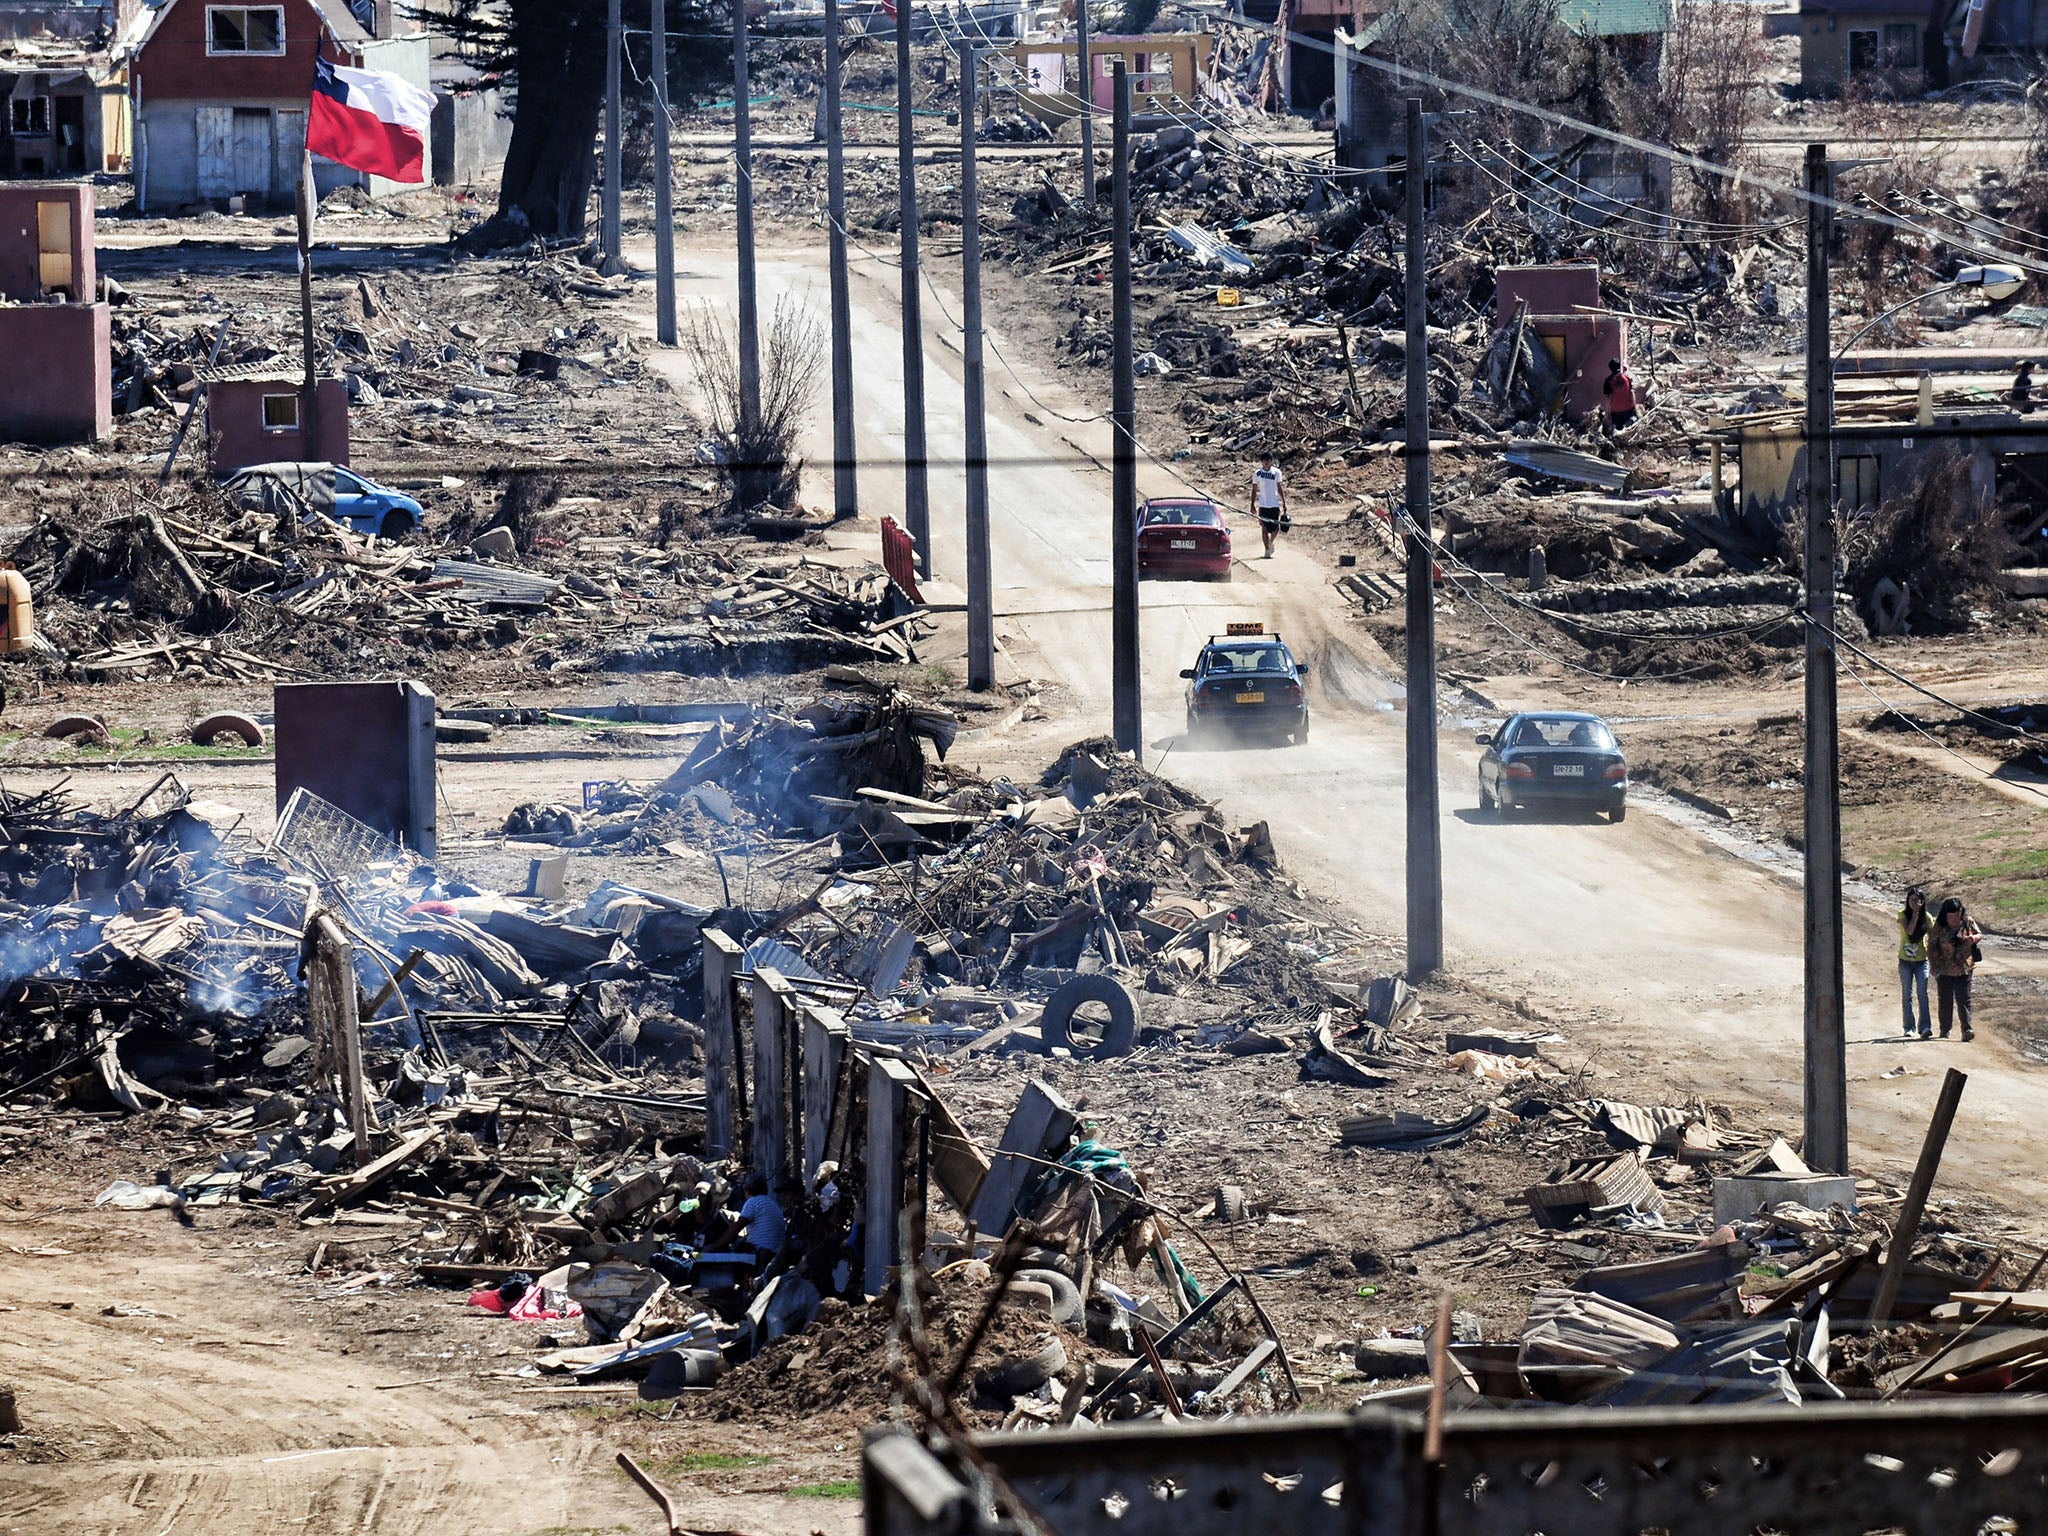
x=1568 y=771
x=1180 y=544
x=1251 y=698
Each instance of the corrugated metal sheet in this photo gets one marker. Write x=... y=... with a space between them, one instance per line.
x=1567 y=464
x=1207 y=250
x=495 y=583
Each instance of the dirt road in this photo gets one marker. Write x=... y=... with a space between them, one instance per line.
x=1659 y=951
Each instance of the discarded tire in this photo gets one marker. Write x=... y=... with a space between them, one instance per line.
x=1068 y=1310
x=1116 y=1037
x=227 y=724
x=1888 y=605
x=1019 y=1374
x=66 y=727
x=676 y=1369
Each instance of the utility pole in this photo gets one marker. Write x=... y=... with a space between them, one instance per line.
x=845 y=494
x=1128 y=713
x=1087 y=106
x=613 y=26
x=664 y=195
x=743 y=225
x=309 y=420
x=917 y=505
x=981 y=627
x=1827 y=1075
x=1425 y=830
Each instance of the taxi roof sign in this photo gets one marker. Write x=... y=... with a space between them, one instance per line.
x=1245 y=627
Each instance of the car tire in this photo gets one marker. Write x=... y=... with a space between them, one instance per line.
x=1119 y=1035
x=1488 y=806
x=1619 y=812
x=396 y=525
x=1067 y=1308
x=1016 y=1375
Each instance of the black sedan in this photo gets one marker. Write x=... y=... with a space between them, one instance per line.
x=1247 y=682
x=1557 y=758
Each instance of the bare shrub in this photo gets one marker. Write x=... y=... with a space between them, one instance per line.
x=1942 y=541
x=761 y=460
x=1707 y=100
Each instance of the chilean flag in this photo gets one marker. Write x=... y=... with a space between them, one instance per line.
x=369 y=121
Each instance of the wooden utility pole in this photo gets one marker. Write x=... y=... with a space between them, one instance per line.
x=743 y=227
x=1087 y=105
x=1425 y=832
x=664 y=195
x=1898 y=1253
x=981 y=627
x=614 y=28
x=917 y=505
x=1827 y=1072
x=845 y=492
x=309 y=408
x=1127 y=714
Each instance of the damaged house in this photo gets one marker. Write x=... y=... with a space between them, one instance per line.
x=1913 y=45
x=220 y=95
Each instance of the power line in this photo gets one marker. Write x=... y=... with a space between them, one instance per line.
x=1892 y=709
x=1928 y=693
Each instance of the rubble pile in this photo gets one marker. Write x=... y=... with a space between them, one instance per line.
x=192 y=584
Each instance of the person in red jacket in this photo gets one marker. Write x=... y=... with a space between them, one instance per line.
x=1620 y=391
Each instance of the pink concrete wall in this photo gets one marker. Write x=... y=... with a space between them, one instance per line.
x=1557 y=290
x=19 y=274
x=234 y=426
x=58 y=381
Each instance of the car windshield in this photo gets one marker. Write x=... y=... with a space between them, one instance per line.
x=1260 y=658
x=345 y=481
x=1200 y=512
x=1563 y=731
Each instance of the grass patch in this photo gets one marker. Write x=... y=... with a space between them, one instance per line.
x=705 y=1461
x=2020 y=901
x=839 y=1488
x=2028 y=864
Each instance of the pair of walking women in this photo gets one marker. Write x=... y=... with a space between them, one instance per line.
x=1945 y=944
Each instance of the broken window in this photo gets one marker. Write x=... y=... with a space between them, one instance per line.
x=245 y=29
x=280 y=413
x=1862 y=50
x=1901 y=45
x=30 y=114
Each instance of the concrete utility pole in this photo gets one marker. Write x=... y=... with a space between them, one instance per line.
x=845 y=493
x=1827 y=1072
x=1128 y=713
x=664 y=195
x=917 y=504
x=743 y=225
x=981 y=626
x=613 y=26
x=1425 y=830
x=1087 y=105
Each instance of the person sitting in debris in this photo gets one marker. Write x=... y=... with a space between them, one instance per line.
x=1953 y=954
x=1620 y=391
x=2023 y=387
x=1269 y=500
x=1914 y=928
x=761 y=1220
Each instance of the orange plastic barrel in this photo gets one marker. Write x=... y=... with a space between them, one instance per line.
x=17 y=614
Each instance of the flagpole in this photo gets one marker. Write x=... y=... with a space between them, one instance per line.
x=309 y=435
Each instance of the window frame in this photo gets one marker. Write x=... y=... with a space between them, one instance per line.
x=1876 y=60
x=292 y=426
x=246 y=11
x=1894 y=57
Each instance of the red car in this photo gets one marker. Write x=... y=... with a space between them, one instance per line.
x=1182 y=536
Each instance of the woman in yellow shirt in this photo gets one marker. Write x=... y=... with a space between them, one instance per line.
x=1914 y=926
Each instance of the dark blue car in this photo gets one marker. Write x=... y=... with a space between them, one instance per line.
x=1560 y=758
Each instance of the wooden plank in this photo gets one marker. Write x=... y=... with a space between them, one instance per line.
x=1908 y=1225
x=958 y=1164
x=1246 y=1368
x=773 y=1002
x=889 y=1087
x=1041 y=1122
x=826 y=1039
x=721 y=1040
x=365 y=1179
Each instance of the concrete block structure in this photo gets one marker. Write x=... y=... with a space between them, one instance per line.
x=57 y=382
x=1562 y=303
x=256 y=414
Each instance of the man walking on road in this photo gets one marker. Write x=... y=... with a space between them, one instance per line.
x=1269 y=500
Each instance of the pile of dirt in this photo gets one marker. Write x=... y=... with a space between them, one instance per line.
x=841 y=1362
